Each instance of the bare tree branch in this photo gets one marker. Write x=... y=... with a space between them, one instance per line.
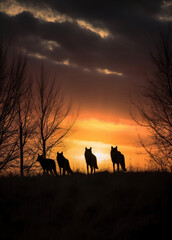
x=52 y=113
x=156 y=111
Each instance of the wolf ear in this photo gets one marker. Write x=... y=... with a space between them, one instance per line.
x=85 y=148
x=90 y=148
x=61 y=153
x=111 y=147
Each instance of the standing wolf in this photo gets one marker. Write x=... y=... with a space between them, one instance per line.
x=91 y=160
x=47 y=165
x=63 y=163
x=118 y=158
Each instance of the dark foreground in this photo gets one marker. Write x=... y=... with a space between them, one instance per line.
x=104 y=206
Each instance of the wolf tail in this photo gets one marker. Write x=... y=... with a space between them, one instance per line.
x=70 y=170
x=96 y=165
x=55 y=172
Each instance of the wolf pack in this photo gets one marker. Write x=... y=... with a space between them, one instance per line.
x=49 y=165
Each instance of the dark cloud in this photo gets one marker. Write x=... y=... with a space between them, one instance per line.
x=98 y=10
x=113 y=15
x=80 y=46
x=126 y=50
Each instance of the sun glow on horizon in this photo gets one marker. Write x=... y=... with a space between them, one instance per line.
x=101 y=135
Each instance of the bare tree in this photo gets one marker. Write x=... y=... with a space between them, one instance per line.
x=52 y=112
x=156 y=109
x=16 y=123
x=8 y=142
x=24 y=121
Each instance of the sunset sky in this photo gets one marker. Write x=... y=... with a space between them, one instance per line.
x=99 y=51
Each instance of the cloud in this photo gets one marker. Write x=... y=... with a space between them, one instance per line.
x=105 y=126
x=114 y=16
x=126 y=18
x=13 y=8
x=166 y=12
x=99 y=49
x=70 y=49
x=107 y=71
x=81 y=46
x=103 y=33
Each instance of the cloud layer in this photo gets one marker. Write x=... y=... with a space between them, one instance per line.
x=99 y=49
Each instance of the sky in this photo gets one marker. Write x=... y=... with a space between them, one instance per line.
x=99 y=51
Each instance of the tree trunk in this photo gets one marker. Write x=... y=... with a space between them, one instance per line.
x=44 y=148
x=43 y=139
x=21 y=150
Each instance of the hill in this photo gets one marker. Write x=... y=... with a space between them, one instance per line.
x=102 y=206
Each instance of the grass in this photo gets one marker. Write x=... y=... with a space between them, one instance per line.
x=101 y=206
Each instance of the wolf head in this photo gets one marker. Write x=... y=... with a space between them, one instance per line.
x=89 y=150
x=60 y=156
x=39 y=158
x=114 y=148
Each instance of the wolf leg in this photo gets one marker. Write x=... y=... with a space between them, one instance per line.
x=51 y=172
x=114 y=167
x=55 y=172
x=91 y=169
x=64 y=170
x=87 y=169
x=118 y=167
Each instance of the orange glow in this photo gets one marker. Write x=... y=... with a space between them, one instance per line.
x=98 y=79
x=101 y=135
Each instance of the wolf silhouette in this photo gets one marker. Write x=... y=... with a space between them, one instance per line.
x=63 y=163
x=118 y=158
x=47 y=165
x=91 y=160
